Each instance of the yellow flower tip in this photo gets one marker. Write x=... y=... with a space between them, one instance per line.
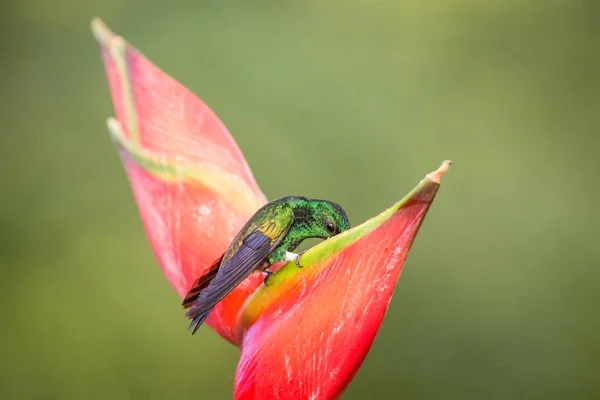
x=112 y=123
x=436 y=176
x=101 y=32
x=114 y=127
x=106 y=38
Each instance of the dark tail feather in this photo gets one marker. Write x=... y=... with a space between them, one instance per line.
x=201 y=283
x=198 y=320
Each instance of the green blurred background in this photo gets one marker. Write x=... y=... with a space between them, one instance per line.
x=500 y=295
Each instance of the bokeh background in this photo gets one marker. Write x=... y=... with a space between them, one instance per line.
x=499 y=298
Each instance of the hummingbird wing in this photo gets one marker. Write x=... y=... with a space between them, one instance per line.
x=249 y=255
x=202 y=283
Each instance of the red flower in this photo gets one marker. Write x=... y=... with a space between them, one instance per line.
x=306 y=334
x=192 y=185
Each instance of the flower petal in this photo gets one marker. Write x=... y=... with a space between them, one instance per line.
x=162 y=115
x=306 y=334
x=192 y=185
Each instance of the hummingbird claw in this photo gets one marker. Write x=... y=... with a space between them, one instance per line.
x=293 y=257
x=269 y=273
x=298 y=258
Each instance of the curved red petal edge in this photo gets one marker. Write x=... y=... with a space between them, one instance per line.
x=192 y=185
x=307 y=337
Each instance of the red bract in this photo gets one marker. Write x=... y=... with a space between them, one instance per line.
x=304 y=335
x=192 y=185
x=307 y=333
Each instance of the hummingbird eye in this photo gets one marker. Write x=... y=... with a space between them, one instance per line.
x=330 y=226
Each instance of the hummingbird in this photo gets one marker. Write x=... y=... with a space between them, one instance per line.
x=268 y=237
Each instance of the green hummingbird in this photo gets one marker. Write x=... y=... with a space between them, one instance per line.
x=270 y=236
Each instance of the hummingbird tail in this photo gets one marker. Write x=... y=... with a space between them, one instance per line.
x=197 y=320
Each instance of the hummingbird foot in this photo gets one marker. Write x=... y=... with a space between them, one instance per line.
x=293 y=257
x=269 y=273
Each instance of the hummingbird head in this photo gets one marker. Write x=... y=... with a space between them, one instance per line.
x=327 y=218
x=315 y=218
